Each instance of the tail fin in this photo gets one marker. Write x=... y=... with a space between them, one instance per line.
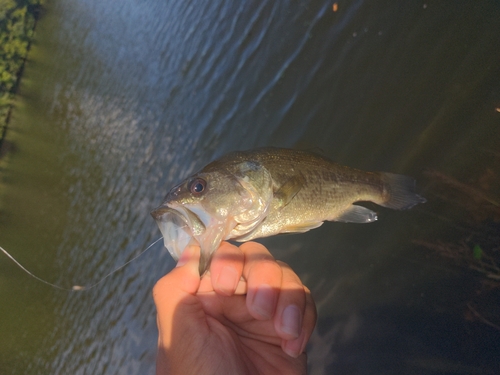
x=399 y=192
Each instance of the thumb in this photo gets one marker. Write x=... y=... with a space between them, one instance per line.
x=178 y=308
x=183 y=280
x=175 y=292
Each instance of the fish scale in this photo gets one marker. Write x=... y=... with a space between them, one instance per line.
x=260 y=193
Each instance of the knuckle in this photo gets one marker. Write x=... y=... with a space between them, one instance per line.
x=269 y=265
x=254 y=247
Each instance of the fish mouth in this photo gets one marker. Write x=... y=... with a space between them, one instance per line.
x=185 y=225
x=179 y=228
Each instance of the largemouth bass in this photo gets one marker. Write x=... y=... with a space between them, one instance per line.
x=263 y=192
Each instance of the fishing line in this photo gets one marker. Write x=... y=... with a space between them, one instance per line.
x=78 y=287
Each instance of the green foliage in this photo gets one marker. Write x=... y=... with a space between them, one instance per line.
x=477 y=252
x=6 y=7
x=17 y=19
x=5 y=100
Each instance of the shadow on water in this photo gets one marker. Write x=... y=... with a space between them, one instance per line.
x=474 y=242
x=120 y=102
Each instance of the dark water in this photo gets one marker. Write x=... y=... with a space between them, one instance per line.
x=120 y=100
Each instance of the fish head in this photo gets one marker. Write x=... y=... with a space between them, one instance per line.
x=214 y=205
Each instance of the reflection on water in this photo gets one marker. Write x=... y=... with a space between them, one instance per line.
x=119 y=102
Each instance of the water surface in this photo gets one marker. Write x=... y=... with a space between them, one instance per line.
x=120 y=101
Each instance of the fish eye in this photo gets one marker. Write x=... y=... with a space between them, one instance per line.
x=197 y=186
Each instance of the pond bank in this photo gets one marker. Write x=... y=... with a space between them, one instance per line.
x=17 y=26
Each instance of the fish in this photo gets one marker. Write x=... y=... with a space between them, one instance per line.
x=263 y=192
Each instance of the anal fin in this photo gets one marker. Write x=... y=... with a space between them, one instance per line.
x=357 y=214
x=302 y=227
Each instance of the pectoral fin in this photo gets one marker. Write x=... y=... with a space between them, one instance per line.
x=257 y=188
x=357 y=214
x=288 y=190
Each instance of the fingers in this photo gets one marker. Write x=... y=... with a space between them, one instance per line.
x=276 y=292
x=291 y=305
x=264 y=277
x=295 y=347
x=226 y=269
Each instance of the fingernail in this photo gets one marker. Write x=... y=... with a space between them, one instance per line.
x=227 y=280
x=294 y=348
x=291 y=320
x=264 y=301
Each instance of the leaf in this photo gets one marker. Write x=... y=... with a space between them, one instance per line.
x=477 y=252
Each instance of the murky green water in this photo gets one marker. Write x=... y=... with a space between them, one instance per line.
x=120 y=100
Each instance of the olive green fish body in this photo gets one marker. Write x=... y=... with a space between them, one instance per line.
x=309 y=189
x=263 y=192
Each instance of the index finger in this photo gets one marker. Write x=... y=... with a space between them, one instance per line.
x=264 y=277
x=226 y=269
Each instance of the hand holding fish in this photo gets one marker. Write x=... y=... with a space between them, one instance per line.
x=250 y=314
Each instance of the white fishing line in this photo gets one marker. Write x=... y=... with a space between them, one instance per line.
x=78 y=287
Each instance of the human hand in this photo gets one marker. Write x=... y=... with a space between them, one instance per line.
x=224 y=323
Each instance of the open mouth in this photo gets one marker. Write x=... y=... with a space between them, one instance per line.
x=178 y=227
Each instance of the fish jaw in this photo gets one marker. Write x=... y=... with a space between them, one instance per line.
x=217 y=229
x=183 y=226
x=175 y=228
